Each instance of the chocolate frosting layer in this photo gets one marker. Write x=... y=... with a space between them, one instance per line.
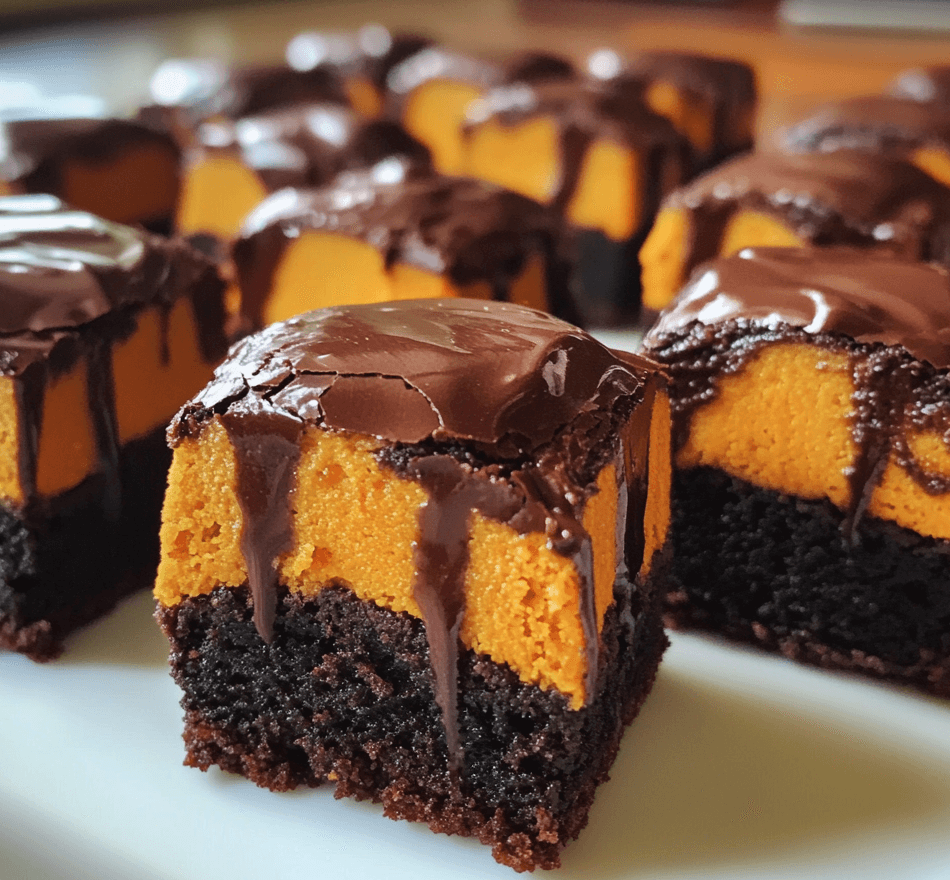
x=585 y=112
x=307 y=145
x=490 y=407
x=466 y=229
x=892 y=315
x=880 y=123
x=867 y=297
x=846 y=197
x=70 y=285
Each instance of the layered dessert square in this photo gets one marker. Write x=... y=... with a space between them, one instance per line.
x=417 y=550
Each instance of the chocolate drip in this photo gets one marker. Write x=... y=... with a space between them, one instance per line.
x=266 y=447
x=441 y=556
x=101 y=386
x=30 y=389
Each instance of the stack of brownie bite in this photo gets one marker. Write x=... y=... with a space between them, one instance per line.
x=421 y=533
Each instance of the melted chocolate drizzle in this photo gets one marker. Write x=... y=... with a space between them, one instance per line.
x=522 y=444
x=891 y=316
x=266 y=449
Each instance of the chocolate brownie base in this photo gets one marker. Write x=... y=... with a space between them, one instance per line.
x=67 y=561
x=763 y=567
x=344 y=693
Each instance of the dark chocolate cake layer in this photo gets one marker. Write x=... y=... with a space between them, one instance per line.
x=58 y=558
x=358 y=680
x=764 y=567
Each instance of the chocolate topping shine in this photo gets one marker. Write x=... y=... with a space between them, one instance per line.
x=452 y=369
x=867 y=297
x=923 y=84
x=307 y=145
x=875 y=122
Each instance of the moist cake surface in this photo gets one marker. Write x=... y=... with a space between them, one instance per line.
x=502 y=536
x=809 y=398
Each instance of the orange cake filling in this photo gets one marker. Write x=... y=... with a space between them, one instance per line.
x=783 y=422
x=218 y=192
x=665 y=252
x=139 y=184
x=434 y=113
x=355 y=524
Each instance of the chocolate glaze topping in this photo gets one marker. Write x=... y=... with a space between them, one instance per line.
x=847 y=197
x=490 y=407
x=469 y=230
x=891 y=314
x=585 y=112
x=878 y=123
x=307 y=145
x=64 y=273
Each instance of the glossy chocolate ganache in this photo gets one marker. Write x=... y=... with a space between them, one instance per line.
x=892 y=314
x=70 y=285
x=489 y=406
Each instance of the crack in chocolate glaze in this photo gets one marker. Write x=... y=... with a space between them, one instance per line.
x=491 y=408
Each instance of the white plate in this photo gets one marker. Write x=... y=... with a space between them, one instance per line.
x=740 y=766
